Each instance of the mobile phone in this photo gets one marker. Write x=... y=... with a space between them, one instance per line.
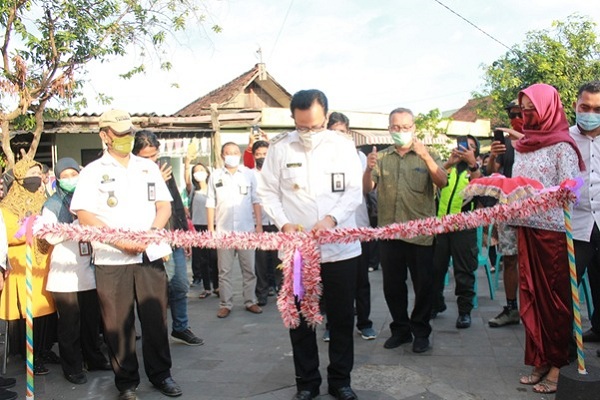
x=499 y=136
x=256 y=131
x=164 y=160
x=462 y=141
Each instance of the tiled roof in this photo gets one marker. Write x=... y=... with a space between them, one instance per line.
x=226 y=93
x=469 y=112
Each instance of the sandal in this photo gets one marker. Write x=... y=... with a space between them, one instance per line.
x=535 y=377
x=204 y=294
x=547 y=386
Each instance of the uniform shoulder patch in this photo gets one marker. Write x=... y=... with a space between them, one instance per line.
x=279 y=137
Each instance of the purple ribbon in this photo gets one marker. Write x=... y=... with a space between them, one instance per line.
x=298 y=287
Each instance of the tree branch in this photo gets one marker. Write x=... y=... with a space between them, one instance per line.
x=39 y=128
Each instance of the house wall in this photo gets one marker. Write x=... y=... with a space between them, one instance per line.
x=70 y=145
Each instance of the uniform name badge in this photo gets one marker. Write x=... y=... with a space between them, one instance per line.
x=85 y=249
x=243 y=190
x=338 y=182
x=151 y=191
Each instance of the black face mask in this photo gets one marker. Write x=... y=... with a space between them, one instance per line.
x=32 y=183
x=259 y=162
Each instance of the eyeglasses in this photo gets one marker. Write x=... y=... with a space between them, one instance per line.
x=316 y=128
x=399 y=128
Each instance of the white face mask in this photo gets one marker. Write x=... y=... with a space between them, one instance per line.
x=200 y=176
x=232 y=161
x=402 y=138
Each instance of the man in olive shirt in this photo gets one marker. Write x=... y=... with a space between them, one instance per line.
x=405 y=175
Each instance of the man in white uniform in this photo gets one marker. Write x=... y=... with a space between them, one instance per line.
x=586 y=213
x=121 y=190
x=232 y=203
x=311 y=179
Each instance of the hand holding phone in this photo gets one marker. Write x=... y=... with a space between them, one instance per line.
x=256 y=132
x=462 y=143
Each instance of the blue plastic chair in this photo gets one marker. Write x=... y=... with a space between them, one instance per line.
x=483 y=260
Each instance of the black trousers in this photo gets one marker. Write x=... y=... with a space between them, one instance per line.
x=462 y=246
x=397 y=258
x=587 y=256
x=339 y=283
x=78 y=330
x=265 y=265
x=363 y=289
x=119 y=288
x=204 y=264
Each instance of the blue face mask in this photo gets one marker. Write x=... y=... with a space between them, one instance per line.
x=587 y=121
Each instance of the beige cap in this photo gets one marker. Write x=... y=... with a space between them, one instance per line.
x=117 y=120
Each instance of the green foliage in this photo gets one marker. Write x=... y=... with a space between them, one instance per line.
x=46 y=45
x=430 y=124
x=565 y=56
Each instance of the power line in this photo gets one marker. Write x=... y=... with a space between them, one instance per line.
x=472 y=24
x=281 y=29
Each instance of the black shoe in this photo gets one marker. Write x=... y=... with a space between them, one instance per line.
x=437 y=310
x=78 y=379
x=50 y=357
x=420 y=345
x=127 y=394
x=7 y=395
x=168 y=387
x=463 y=321
x=343 y=393
x=187 y=337
x=6 y=383
x=305 y=395
x=40 y=369
x=397 y=340
x=262 y=302
x=590 y=336
x=105 y=366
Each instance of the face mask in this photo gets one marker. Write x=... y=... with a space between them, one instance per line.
x=68 y=184
x=587 y=121
x=123 y=144
x=306 y=139
x=32 y=183
x=517 y=124
x=200 y=176
x=232 y=161
x=402 y=138
x=259 y=162
x=531 y=120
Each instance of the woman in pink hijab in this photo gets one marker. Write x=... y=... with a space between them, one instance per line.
x=547 y=154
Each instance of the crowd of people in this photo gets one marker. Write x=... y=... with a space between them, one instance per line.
x=86 y=296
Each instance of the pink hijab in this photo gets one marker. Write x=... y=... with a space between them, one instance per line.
x=554 y=126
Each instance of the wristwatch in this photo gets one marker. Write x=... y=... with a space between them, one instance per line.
x=475 y=168
x=334 y=219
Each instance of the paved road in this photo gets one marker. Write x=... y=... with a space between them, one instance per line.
x=247 y=356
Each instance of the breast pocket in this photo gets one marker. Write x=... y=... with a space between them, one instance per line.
x=293 y=178
x=418 y=179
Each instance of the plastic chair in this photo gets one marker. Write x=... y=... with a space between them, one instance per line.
x=585 y=292
x=483 y=260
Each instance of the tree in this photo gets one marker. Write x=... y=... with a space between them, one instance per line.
x=565 y=56
x=46 y=45
x=430 y=125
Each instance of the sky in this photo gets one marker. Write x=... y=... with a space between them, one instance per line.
x=365 y=55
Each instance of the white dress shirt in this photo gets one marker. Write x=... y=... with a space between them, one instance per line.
x=301 y=186
x=587 y=211
x=71 y=268
x=136 y=189
x=232 y=196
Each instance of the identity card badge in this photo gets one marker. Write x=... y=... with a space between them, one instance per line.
x=338 y=182
x=151 y=191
